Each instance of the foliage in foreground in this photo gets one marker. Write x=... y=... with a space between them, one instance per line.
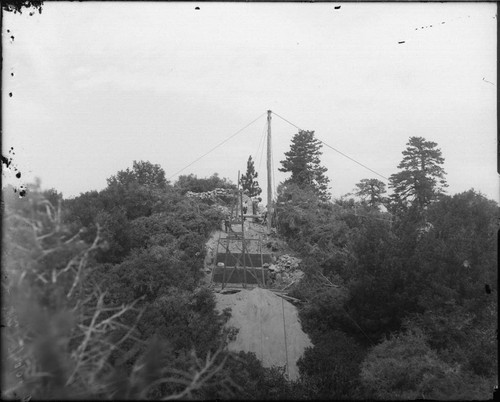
x=102 y=297
x=137 y=325
x=71 y=336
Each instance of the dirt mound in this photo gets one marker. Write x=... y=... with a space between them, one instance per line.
x=268 y=326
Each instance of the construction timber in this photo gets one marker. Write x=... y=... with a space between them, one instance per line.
x=234 y=264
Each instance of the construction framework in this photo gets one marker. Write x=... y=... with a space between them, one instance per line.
x=234 y=263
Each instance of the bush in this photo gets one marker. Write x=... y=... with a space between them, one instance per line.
x=331 y=368
x=405 y=367
x=74 y=329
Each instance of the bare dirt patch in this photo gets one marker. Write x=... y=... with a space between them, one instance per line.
x=268 y=326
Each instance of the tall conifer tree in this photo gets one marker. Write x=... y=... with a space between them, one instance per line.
x=421 y=178
x=371 y=191
x=303 y=162
x=248 y=181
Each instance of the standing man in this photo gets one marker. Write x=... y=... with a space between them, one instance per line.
x=227 y=224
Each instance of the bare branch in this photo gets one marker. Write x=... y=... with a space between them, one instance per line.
x=73 y=238
x=200 y=377
x=326 y=281
x=83 y=261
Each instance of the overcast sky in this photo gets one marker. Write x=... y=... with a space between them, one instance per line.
x=98 y=85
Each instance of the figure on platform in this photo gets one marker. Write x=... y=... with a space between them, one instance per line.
x=227 y=224
x=255 y=205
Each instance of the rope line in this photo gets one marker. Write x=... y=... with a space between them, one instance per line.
x=289 y=122
x=336 y=150
x=261 y=142
x=354 y=160
x=273 y=182
x=284 y=332
x=364 y=333
x=261 y=336
x=217 y=146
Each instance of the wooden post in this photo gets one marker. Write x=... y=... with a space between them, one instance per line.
x=262 y=264
x=225 y=264
x=243 y=237
x=269 y=174
x=237 y=199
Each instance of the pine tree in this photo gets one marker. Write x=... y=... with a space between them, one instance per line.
x=421 y=179
x=303 y=162
x=371 y=190
x=248 y=181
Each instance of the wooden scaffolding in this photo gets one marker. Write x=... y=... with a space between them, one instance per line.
x=234 y=262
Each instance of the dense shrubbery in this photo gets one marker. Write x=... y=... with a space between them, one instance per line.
x=102 y=297
x=406 y=367
x=423 y=273
x=331 y=368
x=405 y=289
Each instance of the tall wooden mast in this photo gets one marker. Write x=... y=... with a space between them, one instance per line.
x=269 y=173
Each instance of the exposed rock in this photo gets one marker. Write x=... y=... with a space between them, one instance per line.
x=273 y=245
x=262 y=319
x=285 y=271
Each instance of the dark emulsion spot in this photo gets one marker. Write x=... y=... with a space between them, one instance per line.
x=18 y=175
x=6 y=161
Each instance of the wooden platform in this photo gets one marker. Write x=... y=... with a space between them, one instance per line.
x=237 y=275
x=249 y=259
x=238 y=264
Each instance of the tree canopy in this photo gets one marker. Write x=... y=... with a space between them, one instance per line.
x=143 y=174
x=106 y=293
x=421 y=179
x=303 y=162
x=249 y=181
x=371 y=191
x=197 y=184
